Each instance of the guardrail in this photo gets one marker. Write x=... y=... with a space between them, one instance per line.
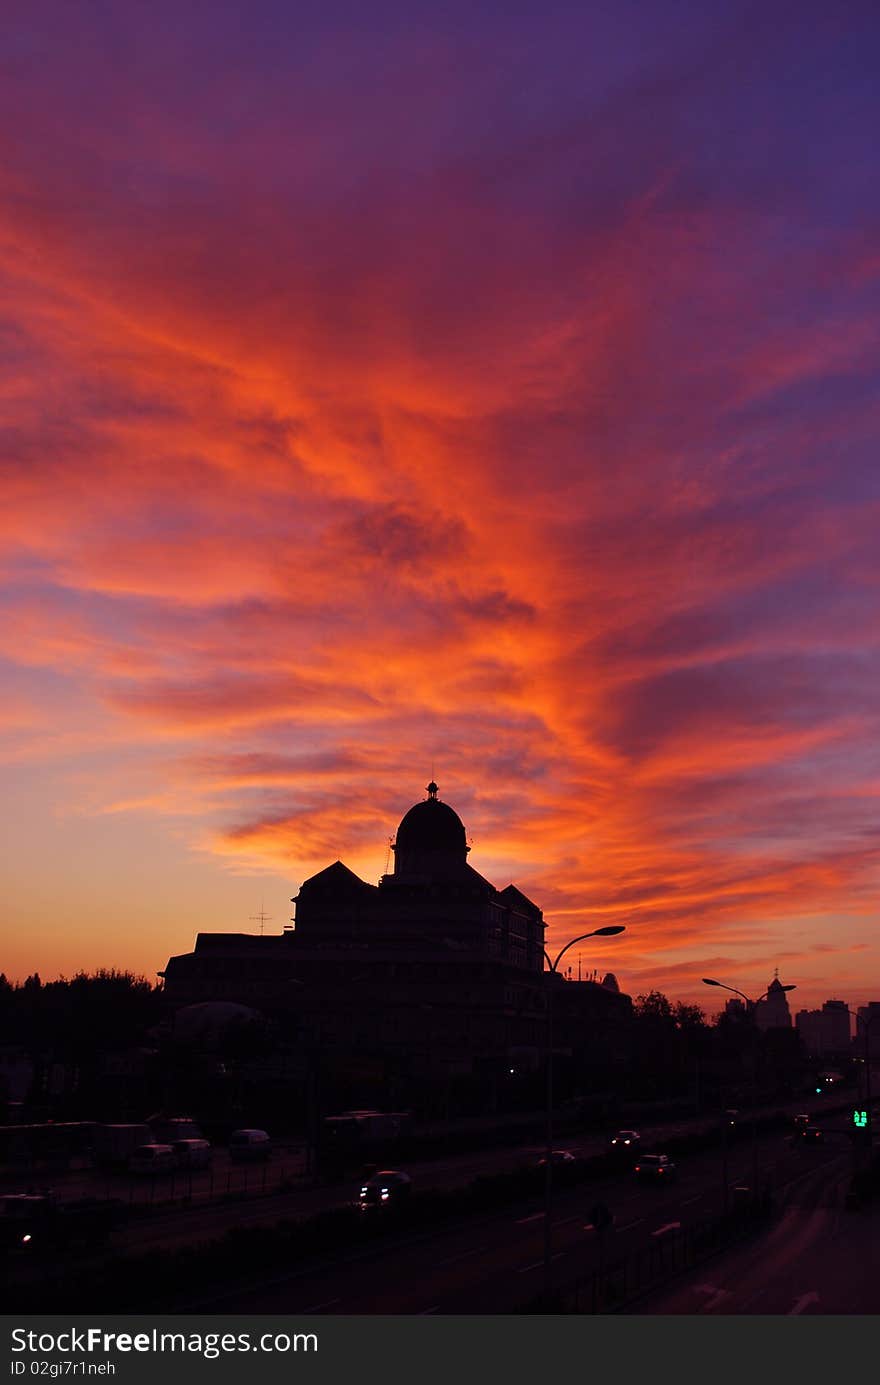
x=616 y=1285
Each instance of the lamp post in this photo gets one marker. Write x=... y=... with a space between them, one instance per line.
x=866 y=1062
x=553 y=965
x=752 y=1012
x=866 y=1025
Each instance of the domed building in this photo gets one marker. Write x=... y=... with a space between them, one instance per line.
x=430 y=973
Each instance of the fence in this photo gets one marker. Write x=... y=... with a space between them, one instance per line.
x=613 y=1285
x=174 y=1188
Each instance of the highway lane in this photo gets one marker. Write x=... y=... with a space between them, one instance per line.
x=493 y=1263
x=182 y=1223
x=817 y=1258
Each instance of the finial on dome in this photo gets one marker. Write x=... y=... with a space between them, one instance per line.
x=432 y=789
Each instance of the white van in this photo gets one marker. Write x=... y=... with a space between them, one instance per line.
x=152 y=1159
x=249 y=1146
x=192 y=1154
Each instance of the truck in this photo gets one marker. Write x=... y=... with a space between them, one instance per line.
x=167 y=1129
x=371 y=1126
x=359 y=1137
x=113 y=1145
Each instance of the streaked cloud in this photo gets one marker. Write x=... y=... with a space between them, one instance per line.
x=401 y=398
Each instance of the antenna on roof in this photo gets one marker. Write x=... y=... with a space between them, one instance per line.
x=262 y=916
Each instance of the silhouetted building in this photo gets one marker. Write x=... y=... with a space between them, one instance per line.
x=825 y=1031
x=869 y=1027
x=773 y=1012
x=432 y=972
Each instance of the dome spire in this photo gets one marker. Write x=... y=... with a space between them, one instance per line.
x=432 y=789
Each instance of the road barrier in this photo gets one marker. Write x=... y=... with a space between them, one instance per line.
x=616 y=1285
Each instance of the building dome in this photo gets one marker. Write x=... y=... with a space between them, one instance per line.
x=433 y=826
x=431 y=835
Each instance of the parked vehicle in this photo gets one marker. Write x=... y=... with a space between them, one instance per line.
x=191 y=1154
x=249 y=1146
x=801 y=1119
x=113 y=1145
x=654 y=1168
x=152 y=1159
x=356 y=1138
x=166 y=1130
x=387 y=1188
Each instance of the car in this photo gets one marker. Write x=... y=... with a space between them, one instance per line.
x=810 y=1135
x=192 y=1154
x=387 y=1188
x=802 y=1118
x=559 y=1158
x=626 y=1140
x=152 y=1158
x=654 y=1168
x=246 y=1146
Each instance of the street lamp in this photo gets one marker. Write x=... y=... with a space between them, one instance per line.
x=751 y=1010
x=552 y=965
x=865 y=1022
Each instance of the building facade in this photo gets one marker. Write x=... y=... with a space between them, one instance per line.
x=826 y=1031
x=429 y=974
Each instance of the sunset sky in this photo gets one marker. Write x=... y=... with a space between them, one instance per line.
x=485 y=390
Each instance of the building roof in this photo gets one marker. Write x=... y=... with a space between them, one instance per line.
x=337 y=879
x=431 y=826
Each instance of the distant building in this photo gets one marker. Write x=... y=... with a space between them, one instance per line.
x=773 y=1012
x=432 y=972
x=868 y=1026
x=826 y=1031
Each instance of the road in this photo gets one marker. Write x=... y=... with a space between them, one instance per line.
x=494 y=1263
x=160 y=1223
x=818 y=1258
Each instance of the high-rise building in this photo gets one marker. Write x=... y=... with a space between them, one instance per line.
x=825 y=1031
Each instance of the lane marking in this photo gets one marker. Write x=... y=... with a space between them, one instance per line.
x=425 y=1311
x=564 y=1221
x=536 y=1216
x=687 y=1202
x=715 y=1296
x=803 y=1302
x=462 y=1255
x=670 y=1226
x=630 y=1224
x=539 y=1264
x=316 y=1307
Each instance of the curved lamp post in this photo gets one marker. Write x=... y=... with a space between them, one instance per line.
x=751 y=1010
x=552 y=966
x=866 y=1063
